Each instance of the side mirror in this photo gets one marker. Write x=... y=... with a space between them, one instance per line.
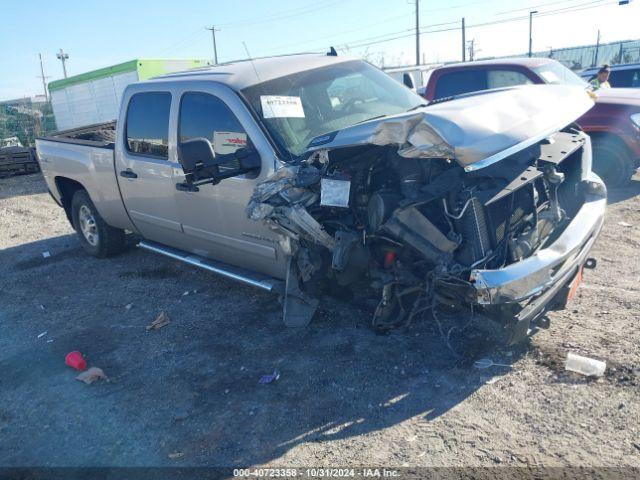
x=409 y=82
x=196 y=151
x=201 y=165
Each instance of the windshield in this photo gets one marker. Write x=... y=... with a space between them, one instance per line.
x=555 y=72
x=297 y=108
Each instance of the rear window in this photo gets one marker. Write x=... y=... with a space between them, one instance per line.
x=148 y=124
x=456 y=83
x=506 y=78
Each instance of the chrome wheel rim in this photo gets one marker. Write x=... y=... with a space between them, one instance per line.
x=88 y=225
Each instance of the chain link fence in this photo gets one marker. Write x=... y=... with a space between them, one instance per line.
x=25 y=119
x=579 y=58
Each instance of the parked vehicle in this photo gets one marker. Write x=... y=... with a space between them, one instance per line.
x=613 y=123
x=312 y=174
x=16 y=160
x=621 y=76
x=94 y=96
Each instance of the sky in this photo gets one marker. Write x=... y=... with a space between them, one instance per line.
x=97 y=34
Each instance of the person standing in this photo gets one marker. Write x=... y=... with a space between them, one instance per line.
x=602 y=78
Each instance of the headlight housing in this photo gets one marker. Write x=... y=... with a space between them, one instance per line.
x=635 y=118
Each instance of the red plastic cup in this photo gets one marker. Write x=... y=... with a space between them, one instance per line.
x=76 y=360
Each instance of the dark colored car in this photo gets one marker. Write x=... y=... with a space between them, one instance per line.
x=621 y=76
x=613 y=123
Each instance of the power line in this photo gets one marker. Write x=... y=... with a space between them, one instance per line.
x=290 y=13
x=539 y=5
x=494 y=22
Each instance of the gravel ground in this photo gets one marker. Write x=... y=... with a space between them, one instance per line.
x=188 y=394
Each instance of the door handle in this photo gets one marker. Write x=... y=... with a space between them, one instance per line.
x=128 y=174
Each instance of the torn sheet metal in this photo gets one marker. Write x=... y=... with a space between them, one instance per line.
x=307 y=225
x=287 y=185
x=475 y=130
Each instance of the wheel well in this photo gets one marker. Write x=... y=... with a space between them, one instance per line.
x=67 y=189
x=601 y=137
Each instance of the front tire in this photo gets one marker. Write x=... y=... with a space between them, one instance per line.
x=96 y=237
x=612 y=162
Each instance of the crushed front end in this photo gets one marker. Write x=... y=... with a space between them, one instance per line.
x=401 y=219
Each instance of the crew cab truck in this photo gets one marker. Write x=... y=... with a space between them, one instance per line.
x=310 y=174
x=613 y=123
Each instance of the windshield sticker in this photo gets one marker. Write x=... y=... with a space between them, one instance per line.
x=280 y=106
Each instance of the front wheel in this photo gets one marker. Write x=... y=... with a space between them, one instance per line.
x=96 y=236
x=612 y=162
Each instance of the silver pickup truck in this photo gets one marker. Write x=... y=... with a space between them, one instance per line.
x=312 y=175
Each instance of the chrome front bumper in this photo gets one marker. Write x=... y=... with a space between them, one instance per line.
x=541 y=271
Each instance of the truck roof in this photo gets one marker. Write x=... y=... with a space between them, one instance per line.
x=241 y=74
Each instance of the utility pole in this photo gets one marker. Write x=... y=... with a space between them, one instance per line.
x=63 y=57
x=44 y=79
x=417 y=32
x=595 y=54
x=472 y=49
x=464 y=43
x=530 y=27
x=215 y=50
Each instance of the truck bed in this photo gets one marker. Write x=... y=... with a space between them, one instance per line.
x=96 y=135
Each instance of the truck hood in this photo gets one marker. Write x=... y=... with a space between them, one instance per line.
x=476 y=130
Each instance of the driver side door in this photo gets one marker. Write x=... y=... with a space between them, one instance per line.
x=213 y=218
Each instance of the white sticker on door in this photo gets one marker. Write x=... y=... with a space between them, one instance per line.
x=281 y=106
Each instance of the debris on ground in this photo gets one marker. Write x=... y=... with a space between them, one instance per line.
x=486 y=362
x=265 y=379
x=91 y=375
x=161 y=320
x=175 y=455
x=76 y=361
x=46 y=254
x=128 y=306
x=585 y=365
x=625 y=224
x=42 y=334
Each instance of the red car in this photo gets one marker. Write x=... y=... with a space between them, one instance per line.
x=613 y=123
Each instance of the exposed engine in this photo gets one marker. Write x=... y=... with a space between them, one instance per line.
x=410 y=230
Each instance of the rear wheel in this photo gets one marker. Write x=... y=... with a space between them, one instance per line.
x=96 y=236
x=612 y=162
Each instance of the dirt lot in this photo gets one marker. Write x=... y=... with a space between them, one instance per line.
x=188 y=394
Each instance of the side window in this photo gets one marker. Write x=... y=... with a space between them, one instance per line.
x=462 y=81
x=506 y=78
x=148 y=124
x=204 y=116
x=625 y=78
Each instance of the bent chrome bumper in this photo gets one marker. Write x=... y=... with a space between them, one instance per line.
x=541 y=271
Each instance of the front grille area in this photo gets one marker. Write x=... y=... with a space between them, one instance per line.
x=491 y=224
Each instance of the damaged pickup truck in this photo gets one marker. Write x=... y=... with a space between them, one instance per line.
x=314 y=175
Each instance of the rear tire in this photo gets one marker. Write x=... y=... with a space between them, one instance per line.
x=612 y=162
x=96 y=236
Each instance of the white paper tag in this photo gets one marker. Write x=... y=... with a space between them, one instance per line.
x=281 y=106
x=334 y=193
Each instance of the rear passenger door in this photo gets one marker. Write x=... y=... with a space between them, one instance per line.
x=144 y=168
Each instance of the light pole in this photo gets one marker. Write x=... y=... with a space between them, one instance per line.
x=417 y=32
x=530 y=26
